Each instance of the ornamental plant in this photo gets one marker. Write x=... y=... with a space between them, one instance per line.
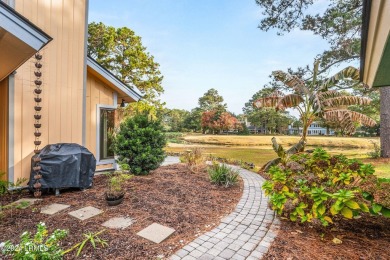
x=41 y=246
x=320 y=188
x=140 y=142
x=222 y=175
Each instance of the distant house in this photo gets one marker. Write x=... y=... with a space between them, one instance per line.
x=256 y=130
x=79 y=97
x=315 y=128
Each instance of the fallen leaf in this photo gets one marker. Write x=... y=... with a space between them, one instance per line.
x=337 y=241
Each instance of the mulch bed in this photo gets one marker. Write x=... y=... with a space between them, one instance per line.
x=171 y=196
x=365 y=238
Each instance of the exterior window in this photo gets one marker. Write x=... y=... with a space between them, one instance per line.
x=107 y=124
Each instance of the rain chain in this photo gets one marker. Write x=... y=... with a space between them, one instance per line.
x=37 y=116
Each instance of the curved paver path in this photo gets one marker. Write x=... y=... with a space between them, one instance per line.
x=246 y=233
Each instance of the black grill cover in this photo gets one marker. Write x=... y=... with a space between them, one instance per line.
x=65 y=166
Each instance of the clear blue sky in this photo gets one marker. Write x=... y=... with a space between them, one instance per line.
x=203 y=44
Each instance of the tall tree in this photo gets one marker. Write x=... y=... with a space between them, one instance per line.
x=315 y=99
x=271 y=120
x=192 y=122
x=340 y=24
x=211 y=100
x=173 y=119
x=121 y=51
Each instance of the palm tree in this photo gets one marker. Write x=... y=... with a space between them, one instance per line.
x=315 y=99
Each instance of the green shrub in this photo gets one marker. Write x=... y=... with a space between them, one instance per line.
x=40 y=246
x=140 y=141
x=223 y=175
x=5 y=186
x=320 y=188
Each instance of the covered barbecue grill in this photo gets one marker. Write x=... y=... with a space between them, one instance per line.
x=64 y=165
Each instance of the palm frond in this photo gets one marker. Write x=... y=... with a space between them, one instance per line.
x=296 y=148
x=329 y=94
x=346 y=101
x=344 y=115
x=347 y=73
x=291 y=81
x=271 y=101
x=291 y=100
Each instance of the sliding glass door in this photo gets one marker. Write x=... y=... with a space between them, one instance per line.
x=107 y=124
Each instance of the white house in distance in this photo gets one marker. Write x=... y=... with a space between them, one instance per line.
x=315 y=128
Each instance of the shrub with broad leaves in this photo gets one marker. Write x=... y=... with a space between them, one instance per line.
x=320 y=188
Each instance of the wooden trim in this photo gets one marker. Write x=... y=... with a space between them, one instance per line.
x=4 y=128
x=364 y=33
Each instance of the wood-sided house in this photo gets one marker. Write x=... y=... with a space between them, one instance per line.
x=375 y=60
x=78 y=96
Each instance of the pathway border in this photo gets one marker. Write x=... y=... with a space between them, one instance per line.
x=246 y=233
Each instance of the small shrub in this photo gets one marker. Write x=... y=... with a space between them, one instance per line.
x=194 y=160
x=40 y=246
x=376 y=152
x=115 y=184
x=320 y=188
x=92 y=238
x=5 y=186
x=140 y=141
x=223 y=175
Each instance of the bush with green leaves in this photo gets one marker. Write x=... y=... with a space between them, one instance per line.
x=140 y=141
x=320 y=188
x=222 y=174
x=6 y=186
x=41 y=246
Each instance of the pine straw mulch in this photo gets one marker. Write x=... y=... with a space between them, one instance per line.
x=170 y=196
x=365 y=238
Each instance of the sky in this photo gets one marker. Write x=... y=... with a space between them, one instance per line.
x=203 y=44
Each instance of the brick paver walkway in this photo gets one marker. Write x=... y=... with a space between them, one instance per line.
x=247 y=233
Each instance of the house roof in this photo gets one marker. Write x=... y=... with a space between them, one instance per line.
x=125 y=92
x=19 y=40
x=375 y=50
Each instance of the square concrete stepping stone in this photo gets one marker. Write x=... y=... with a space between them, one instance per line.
x=156 y=233
x=85 y=213
x=30 y=201
x=54 y=208
x=120 y=223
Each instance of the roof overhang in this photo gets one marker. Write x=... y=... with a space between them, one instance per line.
x=124 y=91
x=375 y=51
x=19 y=40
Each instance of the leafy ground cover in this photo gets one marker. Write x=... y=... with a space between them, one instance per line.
x=171 y=196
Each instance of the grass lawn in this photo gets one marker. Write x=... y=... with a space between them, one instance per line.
x=265 y=140
x=257 y=149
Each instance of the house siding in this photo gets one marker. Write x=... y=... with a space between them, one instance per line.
x=98 y=93
x=63 y=78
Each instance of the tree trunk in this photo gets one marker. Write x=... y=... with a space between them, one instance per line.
x=385 y=121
